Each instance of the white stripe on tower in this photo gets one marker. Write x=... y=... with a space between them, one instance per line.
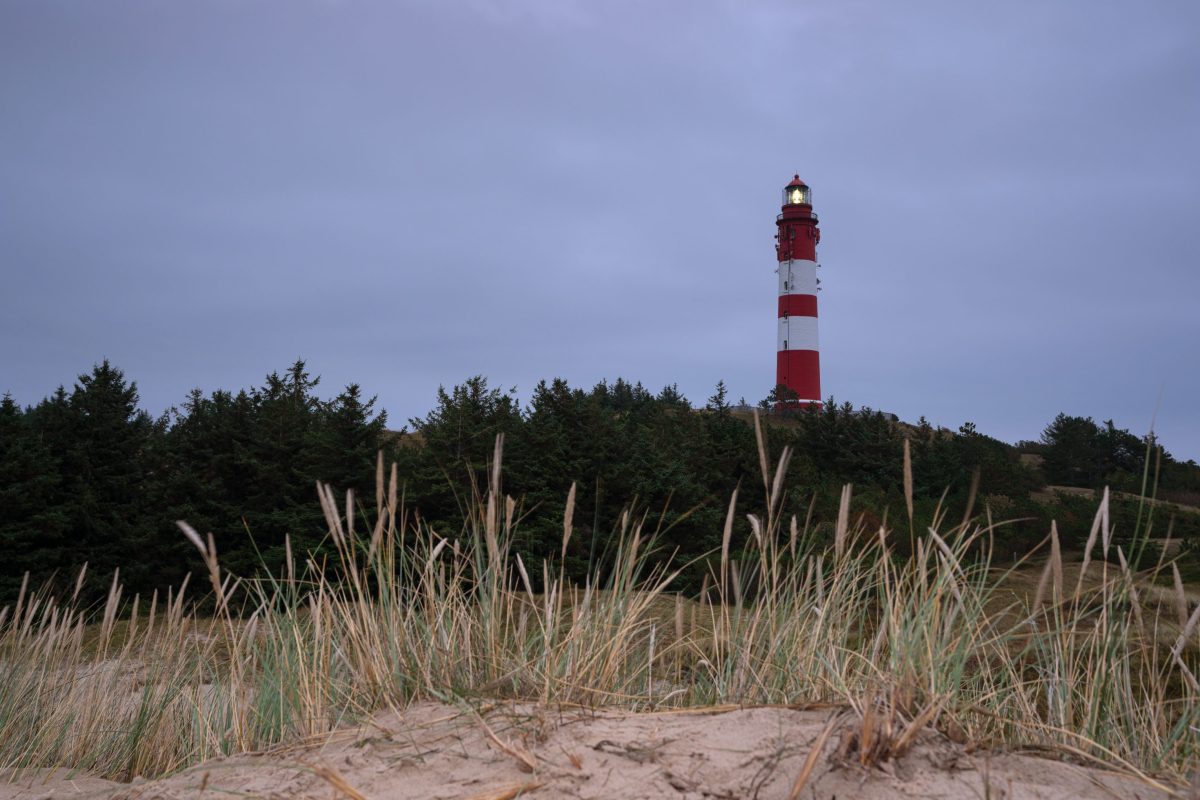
x=798 y=333
x=798 y=276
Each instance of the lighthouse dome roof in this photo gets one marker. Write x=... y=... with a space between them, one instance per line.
x=797 y=182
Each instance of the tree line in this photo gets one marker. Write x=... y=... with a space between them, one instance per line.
x=87 y=476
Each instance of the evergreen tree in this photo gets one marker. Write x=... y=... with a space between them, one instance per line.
x=210 y=475
x=283 y=451
x=458 y=438
x=1073 y=454
x=33 y=522
x=718 y=402
x=102 y=440
x=347 y=441
x=86 y=476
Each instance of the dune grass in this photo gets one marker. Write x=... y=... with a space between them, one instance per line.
x=407 y=612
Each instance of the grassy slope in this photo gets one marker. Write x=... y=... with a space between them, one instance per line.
x=1086 y=665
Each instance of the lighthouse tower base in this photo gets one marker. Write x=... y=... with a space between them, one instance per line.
x=799 y=378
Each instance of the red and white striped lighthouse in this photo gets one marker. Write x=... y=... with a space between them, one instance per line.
x=798 y=365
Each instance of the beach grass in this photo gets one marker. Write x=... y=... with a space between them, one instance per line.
x=1092 y=660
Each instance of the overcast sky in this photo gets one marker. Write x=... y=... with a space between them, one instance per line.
x=406 y=194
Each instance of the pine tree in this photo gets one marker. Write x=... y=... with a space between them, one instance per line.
x=33 y=523
x=458 y=438
x=348 y=437
x=102 y=442
x=282 y=451
x=1073 y=455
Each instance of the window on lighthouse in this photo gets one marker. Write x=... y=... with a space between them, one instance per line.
x=797 y=195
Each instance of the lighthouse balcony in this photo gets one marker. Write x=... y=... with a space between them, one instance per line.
x=809 y=215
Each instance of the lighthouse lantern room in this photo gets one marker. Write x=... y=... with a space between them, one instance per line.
x=798 y=365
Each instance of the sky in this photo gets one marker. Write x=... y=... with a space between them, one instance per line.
x=407 y=194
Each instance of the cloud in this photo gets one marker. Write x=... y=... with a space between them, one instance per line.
x=407 y=194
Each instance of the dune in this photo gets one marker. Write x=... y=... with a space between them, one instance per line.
x=509 y=750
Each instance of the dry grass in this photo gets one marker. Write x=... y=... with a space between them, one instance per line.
x=1089 y=660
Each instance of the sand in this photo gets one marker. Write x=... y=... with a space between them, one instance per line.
x=505 y=750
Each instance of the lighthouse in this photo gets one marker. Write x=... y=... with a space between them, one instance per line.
x=798 y=361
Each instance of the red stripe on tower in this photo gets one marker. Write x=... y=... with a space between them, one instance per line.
x=798 y=362
x=797 y=305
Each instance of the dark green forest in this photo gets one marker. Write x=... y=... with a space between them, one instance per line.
x=86 y=476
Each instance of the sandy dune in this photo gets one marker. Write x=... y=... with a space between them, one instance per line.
x=441 y=751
